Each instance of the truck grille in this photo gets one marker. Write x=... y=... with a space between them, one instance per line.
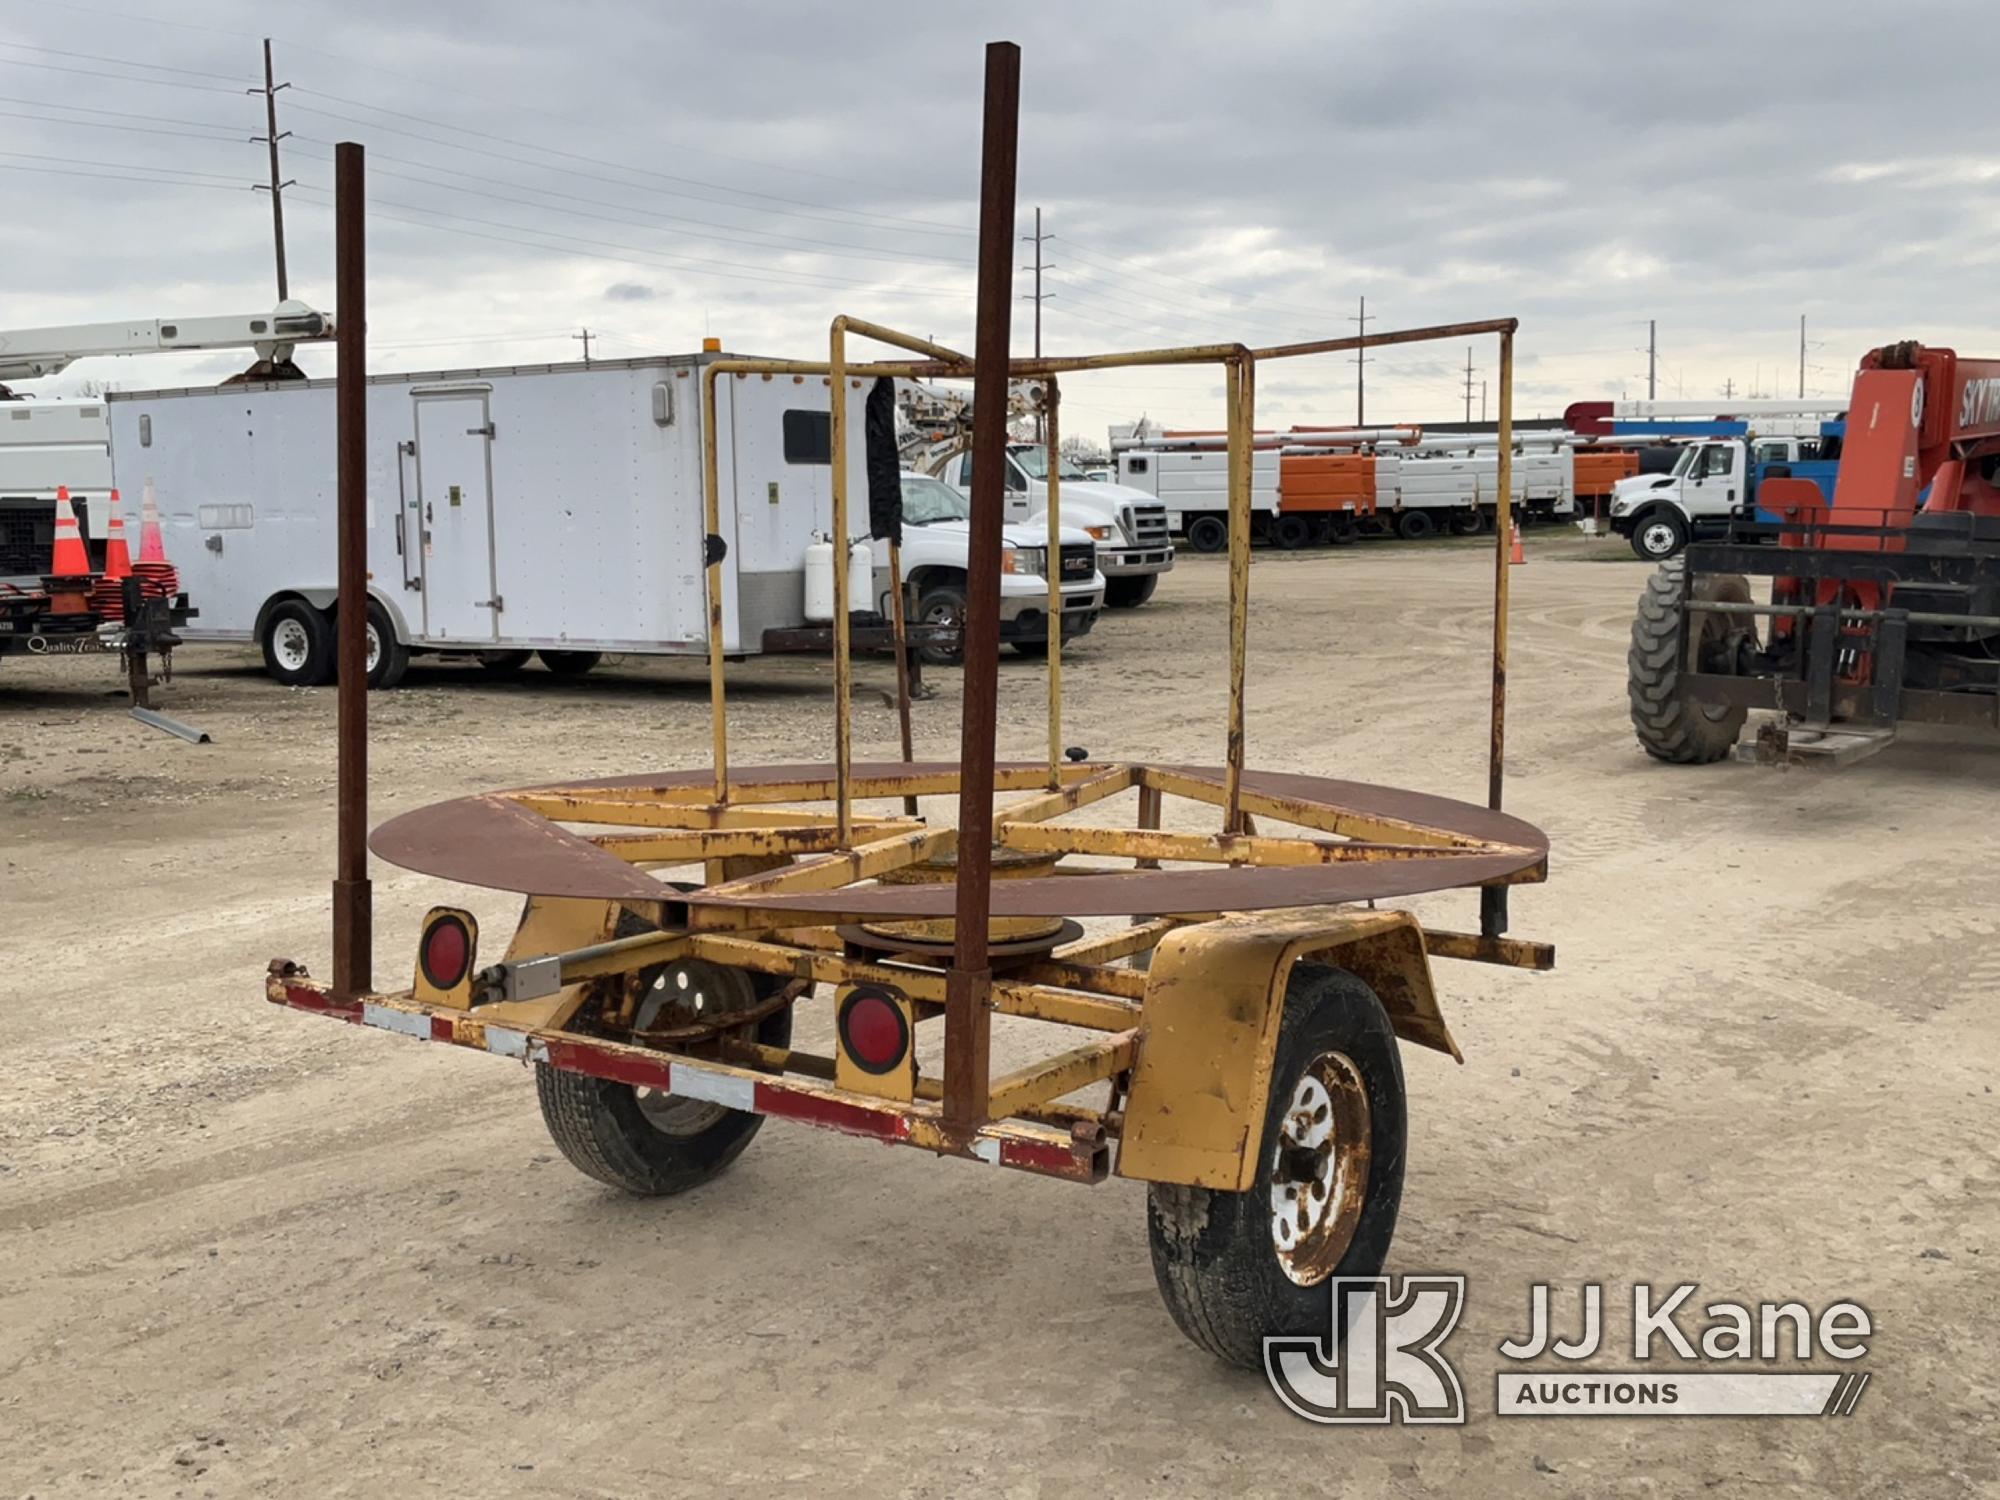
x=1147 y=525
x=1078 y=563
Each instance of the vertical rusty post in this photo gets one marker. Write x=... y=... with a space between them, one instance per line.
x=901 y=623
x=1051 y=400
x=1242 y=402
x=968 y=986
x=711 y=551
x=843 y=687
x=1493 y=898
x=353 y=903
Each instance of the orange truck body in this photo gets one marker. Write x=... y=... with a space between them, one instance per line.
x=1319 y=482
x=1598 y=469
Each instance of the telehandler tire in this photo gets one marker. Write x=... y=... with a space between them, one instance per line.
x=1669 y=727
x=1237 y=1268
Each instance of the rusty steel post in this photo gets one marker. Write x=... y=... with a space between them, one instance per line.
x=1051 y=399
x=843 y=661
x=1242 y=401
x=1493 y=898
x=901 y=628
x=711 y=549
x=353 y=914
x=968 y=986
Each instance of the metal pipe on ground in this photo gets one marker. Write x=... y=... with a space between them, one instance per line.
x=969 y=983
x=353 y=902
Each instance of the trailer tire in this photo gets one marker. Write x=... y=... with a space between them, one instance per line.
x=503 y=663
x=570 y=663
x=1658 y=534
x=1415 y=525
x=1217 y=1255
x=388 y=658
x=1207 y=534
x=645 y=1145
x=298 y=644
x=1293 y=532
x=1668 y=728
x=1130 y=591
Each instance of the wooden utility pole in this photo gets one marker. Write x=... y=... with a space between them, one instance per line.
x=1038 y=297
x=1468 y=390
x=586 y=337
x=277 y=185
x=1361 y=322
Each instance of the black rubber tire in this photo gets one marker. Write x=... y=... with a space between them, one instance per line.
x=1207 y=534
x=1212 y=1253
x=1657 y=535
x=1415 y=525
x=1467 y=523
x=1668 y=728
x=1131 y=590
x=947 y=599
x=1033 y=650
x=393 y=660
x=1292 y=532
x=504 y=663
x=317 y=666
x=570 y=663
x=602 y=1130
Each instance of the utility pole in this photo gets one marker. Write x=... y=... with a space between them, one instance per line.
x=1728 y=389
x=586 y=337
x=1038 y=296
x=1361 y=322
x=1652 y=355
x=1468 y=390
x=276 y=188
x=1802 y=356
x=1482 y=400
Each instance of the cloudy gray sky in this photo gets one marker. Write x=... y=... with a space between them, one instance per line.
x=660 y=171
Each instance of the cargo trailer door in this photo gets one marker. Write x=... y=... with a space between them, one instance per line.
x=455 y=493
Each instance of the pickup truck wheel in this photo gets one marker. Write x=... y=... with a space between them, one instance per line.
x=942 y=604
x=503 y=663
x=1415 y=525
x=570 y=663
x=1293 y=532
x=1207 y=534
x=1034 y=650
x=388 y=658
x=648 y=1143
x=1658 y=535
x=298 y=644
x=1237 y=1268
x=1670 y=728
x=1130 y=592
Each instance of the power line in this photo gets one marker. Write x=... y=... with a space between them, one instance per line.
x=163 y=83
x=123 y=62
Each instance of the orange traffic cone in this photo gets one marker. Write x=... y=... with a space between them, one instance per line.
x=108 y=597
x=69 y=559
x=152 y=547
x=1518 y=556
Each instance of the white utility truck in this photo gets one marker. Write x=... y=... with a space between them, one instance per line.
x=543 y=509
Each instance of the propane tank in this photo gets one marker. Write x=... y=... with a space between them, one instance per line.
x=860 y=577
x=819 y=582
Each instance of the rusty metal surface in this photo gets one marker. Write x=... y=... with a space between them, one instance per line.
x=489 y=840
x=353 y=899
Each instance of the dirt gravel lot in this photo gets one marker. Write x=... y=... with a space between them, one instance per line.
x=243 y=1251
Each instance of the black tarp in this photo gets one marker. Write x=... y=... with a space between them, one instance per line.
x=885 y=465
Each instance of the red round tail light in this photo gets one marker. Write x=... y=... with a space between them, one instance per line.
x=446 y=952
x=874 y=1030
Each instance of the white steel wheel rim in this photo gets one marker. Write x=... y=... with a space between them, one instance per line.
x=1657 y=538
x=685 y=993
x=1319 y=1168
x=374 y=646
x=291 y=645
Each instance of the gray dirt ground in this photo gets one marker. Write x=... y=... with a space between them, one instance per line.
x=244 y=1251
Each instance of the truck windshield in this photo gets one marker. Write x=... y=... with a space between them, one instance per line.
x=1034 y=463
x=927 y=501
x=1684 y=465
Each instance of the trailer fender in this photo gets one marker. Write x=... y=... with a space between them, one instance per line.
x=1214 y=995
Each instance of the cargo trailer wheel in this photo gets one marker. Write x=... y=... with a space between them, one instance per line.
x=641 y=1140
x=388 y=658
x=1129 y=592
x=1415 y=525
x=1658 y=535
x=1669 y=727
x=503 y=663
x=942 y=604
x=1207 y=534
x=1237 y=1268
x=570 y=663
x=1293 y=532
x=298 y=644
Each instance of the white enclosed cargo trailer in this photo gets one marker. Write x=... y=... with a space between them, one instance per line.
x=547 y=508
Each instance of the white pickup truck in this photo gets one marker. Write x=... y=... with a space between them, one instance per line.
x=936 y=538
x=1128 y=526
